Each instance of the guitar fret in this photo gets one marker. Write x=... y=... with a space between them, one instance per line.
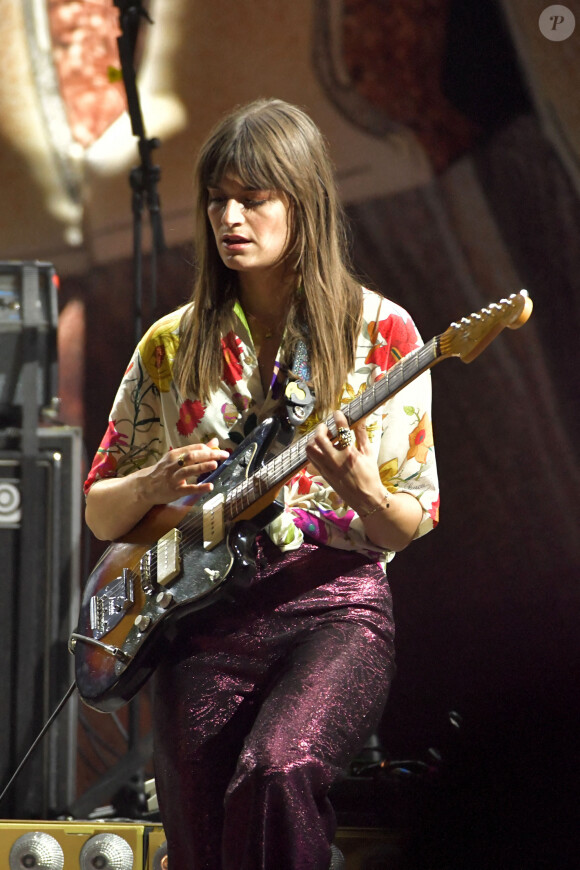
x=291 y=460
x=405 y=371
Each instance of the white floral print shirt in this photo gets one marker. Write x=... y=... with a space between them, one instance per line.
x=149 y=417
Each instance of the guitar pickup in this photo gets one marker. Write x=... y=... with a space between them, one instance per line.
x=213 y=521
x=168 y=557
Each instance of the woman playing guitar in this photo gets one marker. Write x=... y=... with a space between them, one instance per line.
x=261 y=699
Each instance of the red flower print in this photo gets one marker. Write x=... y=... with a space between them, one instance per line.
x=232 y=350
x=159 y=366
x=104 y=463
x=400 y=338
x=159 y=356
x=112 y=437
x=303 y=481
x=420 y=440
x=434 y=511
x=379 y=356
x=190 y=416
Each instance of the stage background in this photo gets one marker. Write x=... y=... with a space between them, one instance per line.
x=456 y=146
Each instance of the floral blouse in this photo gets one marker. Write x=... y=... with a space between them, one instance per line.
x=149 y=417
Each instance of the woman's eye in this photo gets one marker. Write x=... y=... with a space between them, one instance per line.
x=247 y=203
x=253 y=203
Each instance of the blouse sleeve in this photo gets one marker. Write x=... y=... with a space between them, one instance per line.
x=400 y=433
x=134 y=436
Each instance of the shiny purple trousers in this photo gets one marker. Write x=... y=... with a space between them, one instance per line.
x=259 y=704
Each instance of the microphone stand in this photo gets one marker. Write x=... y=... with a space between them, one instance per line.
x=144 y=178
x=143 y=181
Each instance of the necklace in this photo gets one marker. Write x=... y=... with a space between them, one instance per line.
x=268 y=331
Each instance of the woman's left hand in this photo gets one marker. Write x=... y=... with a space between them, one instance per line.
x=351 y=471
x=390 y=520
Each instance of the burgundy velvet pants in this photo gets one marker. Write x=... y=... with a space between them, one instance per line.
x=259 y=704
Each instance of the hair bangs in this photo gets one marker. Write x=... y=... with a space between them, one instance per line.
x=245 y=152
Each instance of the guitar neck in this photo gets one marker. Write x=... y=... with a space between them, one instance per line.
x=268 y=479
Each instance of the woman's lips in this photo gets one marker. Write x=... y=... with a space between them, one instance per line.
x=234 y=243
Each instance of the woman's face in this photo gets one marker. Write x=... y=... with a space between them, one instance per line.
x=251 y=227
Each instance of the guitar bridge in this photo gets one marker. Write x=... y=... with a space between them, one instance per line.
x=146 y=572
x=107 y=609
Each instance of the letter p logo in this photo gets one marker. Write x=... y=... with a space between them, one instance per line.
x=557 y=23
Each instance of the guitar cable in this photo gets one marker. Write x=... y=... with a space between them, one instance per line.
x=40 y=736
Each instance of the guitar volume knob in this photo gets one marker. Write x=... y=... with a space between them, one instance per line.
x=142 y=623
x=164 y=598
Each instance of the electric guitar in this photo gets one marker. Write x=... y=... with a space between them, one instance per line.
x=182 y=556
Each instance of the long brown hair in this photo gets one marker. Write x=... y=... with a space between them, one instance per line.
x=273 y=145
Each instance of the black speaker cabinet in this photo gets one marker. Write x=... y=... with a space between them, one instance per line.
x=40 y=530
x=28 y=338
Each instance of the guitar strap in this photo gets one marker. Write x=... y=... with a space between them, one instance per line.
x=299 y=392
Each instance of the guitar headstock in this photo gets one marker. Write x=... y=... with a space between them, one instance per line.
x=473 y=334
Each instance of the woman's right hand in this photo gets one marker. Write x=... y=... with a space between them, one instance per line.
x=178 y=472
x=116 y=504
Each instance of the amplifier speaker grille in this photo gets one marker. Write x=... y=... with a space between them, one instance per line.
x=39 y=598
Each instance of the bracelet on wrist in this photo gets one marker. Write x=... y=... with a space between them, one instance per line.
x=383 y=504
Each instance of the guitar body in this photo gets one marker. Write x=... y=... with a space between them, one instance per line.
x=129 y=607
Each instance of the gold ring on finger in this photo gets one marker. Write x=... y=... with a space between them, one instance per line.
x=344 y=438
x=181 y=460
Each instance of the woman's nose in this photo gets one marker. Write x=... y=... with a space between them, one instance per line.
x=232 y=213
